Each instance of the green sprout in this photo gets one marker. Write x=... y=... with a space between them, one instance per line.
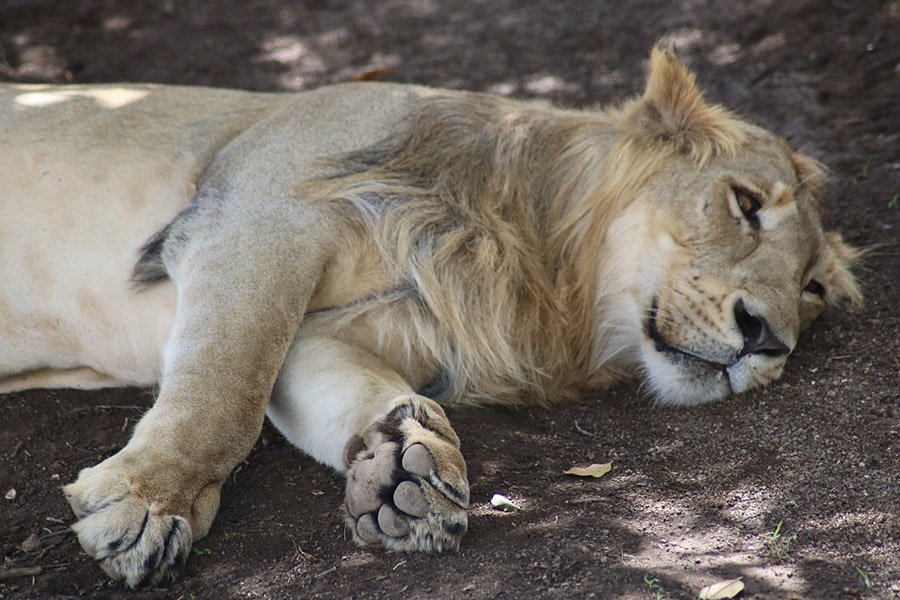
x=865 y=577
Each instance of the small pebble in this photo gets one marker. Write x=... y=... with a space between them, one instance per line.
x=10 y=494
x=32 y=543
x=501 y=502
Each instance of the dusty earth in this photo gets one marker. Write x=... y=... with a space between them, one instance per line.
x=694 y=495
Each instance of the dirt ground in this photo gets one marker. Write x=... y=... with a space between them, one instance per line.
x=694 y=495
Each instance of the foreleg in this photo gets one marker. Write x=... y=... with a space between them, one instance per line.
x=406 y=478
x=241 y=296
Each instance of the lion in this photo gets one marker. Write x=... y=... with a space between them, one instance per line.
x=351 y=259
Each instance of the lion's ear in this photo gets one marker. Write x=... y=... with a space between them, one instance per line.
x=810 y=173
x=843 y=283
x=672 y=108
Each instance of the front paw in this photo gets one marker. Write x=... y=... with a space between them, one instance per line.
x=406 y=485
x=133 y=539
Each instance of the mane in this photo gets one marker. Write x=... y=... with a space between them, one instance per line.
x=492 y=215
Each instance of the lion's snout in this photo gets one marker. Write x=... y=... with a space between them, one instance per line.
x=758 y=335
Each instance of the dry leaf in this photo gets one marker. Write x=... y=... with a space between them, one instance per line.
x=722 y=589
x=371 y=74
x=501 y=502
x=594 y=470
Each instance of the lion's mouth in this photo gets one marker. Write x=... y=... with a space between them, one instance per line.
x=665 y=347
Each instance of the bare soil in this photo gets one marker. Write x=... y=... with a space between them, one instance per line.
x=695 y=495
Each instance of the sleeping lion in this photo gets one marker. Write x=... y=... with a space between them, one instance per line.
x=347 y=260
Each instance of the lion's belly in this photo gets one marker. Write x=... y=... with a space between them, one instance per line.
x=82 y=189
x=69 y=237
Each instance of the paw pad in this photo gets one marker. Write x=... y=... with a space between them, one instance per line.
x=399 y=495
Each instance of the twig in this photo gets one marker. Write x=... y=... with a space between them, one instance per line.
x=5 y=67
x=119 y=406
x=19 y=572
x=325 y=572
x=16 y=449
x=60 y=533
x=588 y=500
x=47 y=549
x=583 y=431
x=74 y=447
x=300 y=552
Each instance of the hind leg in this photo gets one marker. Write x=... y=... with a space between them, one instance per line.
x=406 y=478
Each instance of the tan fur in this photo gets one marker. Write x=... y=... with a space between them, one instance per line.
x=322 y=256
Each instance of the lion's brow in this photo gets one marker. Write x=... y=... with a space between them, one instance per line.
x=783 y=193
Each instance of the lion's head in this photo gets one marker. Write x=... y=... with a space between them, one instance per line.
x=722 y=251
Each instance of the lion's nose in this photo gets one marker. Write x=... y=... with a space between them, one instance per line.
x=758 y=336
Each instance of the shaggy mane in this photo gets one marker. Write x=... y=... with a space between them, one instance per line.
x=492 y=214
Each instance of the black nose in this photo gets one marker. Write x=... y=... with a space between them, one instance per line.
x=758 y=336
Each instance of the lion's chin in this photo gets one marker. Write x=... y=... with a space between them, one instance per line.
x=680 y=380
x=754 y=371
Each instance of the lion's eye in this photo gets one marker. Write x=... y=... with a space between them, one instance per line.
x=749 y=204
x=814 y=287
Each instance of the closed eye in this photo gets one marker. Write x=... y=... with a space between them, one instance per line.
x=749 y=205
x=815 y=288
